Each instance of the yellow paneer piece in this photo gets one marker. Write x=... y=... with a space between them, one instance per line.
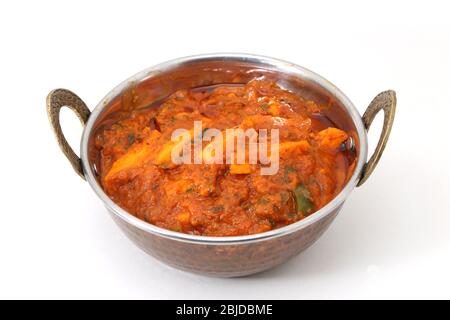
x=287 y=148
x=331 y=138
x=164 y=155
x=241 y=169
x=135 y=157
x=184 y=217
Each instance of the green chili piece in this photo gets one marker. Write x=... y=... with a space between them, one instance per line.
x=303 y=199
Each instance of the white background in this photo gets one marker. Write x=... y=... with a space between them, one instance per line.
x=392 y=239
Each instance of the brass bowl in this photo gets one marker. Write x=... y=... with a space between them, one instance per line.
x=223 y=256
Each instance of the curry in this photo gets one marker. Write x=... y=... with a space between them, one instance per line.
x=137 y=171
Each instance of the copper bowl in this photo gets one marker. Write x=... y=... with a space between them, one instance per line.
x=223 y=256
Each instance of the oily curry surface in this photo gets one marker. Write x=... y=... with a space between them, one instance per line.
x=137 y=172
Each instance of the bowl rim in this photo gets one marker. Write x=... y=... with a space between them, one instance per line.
x=280 y=66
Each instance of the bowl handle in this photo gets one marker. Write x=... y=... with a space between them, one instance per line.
x=387 y=102
x=57 y=99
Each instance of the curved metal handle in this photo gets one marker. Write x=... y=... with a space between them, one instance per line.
x=387 y=102
x=57 y=99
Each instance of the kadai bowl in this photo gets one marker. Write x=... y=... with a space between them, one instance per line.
x=159 y=151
